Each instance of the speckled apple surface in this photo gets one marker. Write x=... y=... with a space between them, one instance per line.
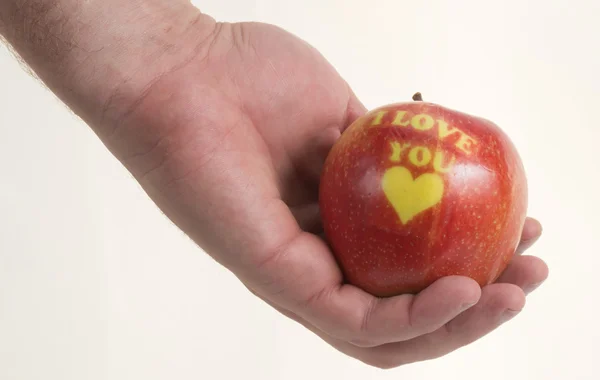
x=415 y=191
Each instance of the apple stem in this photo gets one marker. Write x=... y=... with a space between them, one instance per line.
x=417 y=97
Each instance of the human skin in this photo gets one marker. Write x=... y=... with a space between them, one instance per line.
x=226 y=127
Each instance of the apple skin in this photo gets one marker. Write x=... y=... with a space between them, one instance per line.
x=412 y=192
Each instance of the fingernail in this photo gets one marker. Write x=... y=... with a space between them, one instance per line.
x=467 y=305
x=509 y=314
x=525 y=245
x=532 y=287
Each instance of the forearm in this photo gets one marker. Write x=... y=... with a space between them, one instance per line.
x=99 y=56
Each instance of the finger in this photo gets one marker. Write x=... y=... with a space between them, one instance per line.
x=527 y=272
x=366 y=321
x=532 y=230
x=426 y=310
x=498 y=304
x=304 y=279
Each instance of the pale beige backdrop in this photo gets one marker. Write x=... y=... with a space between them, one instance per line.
x=96 y=284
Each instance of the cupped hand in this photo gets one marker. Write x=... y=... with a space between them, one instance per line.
x=230 y=143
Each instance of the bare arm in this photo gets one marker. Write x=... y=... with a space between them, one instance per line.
x=99 y=56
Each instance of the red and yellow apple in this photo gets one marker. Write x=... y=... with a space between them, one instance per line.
x=412 y=192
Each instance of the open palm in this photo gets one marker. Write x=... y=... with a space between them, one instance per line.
x=230 y=145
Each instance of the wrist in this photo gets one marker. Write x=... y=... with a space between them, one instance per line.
x=100 y=56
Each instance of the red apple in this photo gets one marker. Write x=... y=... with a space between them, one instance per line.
x=412 y=192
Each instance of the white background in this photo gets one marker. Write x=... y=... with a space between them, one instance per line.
x=96 y=284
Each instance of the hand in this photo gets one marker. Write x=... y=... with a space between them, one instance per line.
x=229 y=139
x=242 y=132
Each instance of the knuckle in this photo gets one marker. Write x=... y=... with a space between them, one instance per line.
x=271 y=261
x=276 y=278
x=365 y=325
x=363 y=334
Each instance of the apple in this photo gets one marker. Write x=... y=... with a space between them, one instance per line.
x=412 y=192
